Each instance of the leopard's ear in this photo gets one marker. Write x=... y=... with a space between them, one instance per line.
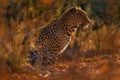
x=72 y=10
x=78 y=8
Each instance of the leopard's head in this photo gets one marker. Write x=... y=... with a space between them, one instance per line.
x=75 y=16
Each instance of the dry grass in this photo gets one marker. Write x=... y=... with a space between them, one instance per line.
x=92 y=55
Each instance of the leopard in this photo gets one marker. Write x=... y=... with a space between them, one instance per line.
x=50 y=41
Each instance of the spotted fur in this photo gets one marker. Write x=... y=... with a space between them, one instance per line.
x=55 y=37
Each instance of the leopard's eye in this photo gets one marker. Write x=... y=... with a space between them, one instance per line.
x=82 y=24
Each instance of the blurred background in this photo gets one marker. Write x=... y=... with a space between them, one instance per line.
x=93 y=54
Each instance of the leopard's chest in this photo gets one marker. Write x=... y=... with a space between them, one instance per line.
x=65 y=45
x=62 y=42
